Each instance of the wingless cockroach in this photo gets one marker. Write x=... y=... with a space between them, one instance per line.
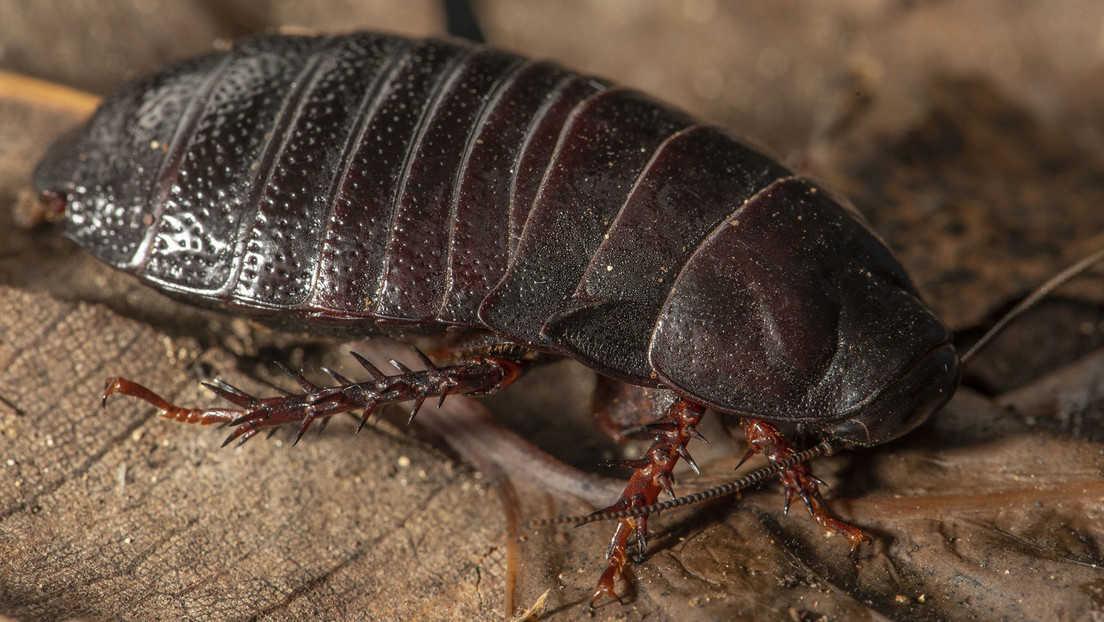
x=365 y=183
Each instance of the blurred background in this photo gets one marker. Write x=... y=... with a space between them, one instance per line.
x=782 y=70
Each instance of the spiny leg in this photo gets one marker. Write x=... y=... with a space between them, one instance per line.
x=764 y=438
x=652 y=476
x=477 y=377
x=623 y=411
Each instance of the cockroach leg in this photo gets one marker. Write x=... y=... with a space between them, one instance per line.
x=764 y=438
x=478 y=377
x=623 y=411
x=650 y=479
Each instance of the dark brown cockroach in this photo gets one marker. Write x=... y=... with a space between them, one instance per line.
x=365 y=183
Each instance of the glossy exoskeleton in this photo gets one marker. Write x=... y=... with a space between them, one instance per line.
x=358 y=183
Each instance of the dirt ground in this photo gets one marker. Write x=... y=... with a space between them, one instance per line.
x=971 y=135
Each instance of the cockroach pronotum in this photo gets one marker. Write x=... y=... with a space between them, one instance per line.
x=371 y=183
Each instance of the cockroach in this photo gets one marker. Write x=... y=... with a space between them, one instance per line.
x=370 y=183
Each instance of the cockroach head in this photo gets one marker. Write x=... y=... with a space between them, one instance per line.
x=799 y=313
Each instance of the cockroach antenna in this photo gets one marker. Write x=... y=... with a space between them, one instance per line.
x=1033 y=299
x=825 y=448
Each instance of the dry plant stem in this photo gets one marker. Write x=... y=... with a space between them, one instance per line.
x=764 y=438
x=652 y=476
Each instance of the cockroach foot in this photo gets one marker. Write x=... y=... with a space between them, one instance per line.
x=764 y=438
